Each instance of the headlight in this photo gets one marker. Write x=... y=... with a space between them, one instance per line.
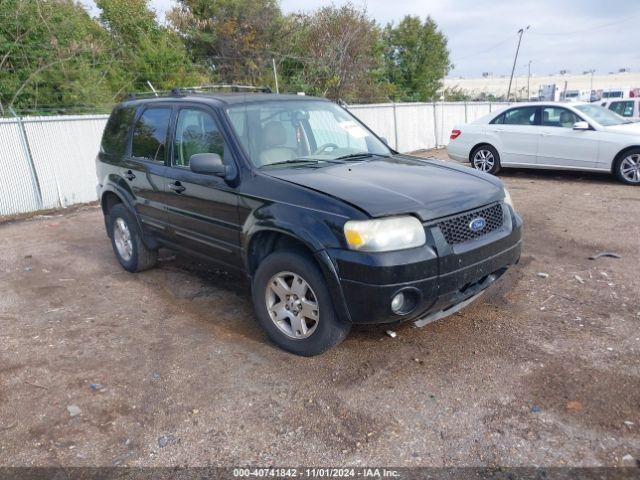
x=385 y=234
x=507 y=198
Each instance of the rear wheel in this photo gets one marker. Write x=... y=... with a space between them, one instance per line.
x=627 y=167
x=127 y=242
x=293 y=305
x=486 y=159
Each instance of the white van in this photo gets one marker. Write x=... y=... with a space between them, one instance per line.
x=576 y=96
x=628 y=107
x=613 y=93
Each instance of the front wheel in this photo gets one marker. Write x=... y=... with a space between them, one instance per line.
x=627 y=167
x=486 y=159
x=293 y=305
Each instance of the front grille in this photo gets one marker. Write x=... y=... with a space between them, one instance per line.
x=458 y=230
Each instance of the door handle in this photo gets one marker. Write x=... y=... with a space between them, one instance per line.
x=177 y=187
x=129 y=175
x=498 y=130
x=545 y=134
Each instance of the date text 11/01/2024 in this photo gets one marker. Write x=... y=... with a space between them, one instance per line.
x=316 y=472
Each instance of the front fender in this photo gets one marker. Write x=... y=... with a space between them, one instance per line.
x=316 y=230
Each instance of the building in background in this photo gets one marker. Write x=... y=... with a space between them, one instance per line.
x=550 y=87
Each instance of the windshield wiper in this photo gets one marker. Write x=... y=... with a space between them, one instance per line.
x=295 y=160
x=355 y=155
x=315 y=161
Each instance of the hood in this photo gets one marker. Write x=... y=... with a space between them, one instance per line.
x=625 y=128
x=398 y=185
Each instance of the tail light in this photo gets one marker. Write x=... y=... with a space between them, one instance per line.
x=455 y=134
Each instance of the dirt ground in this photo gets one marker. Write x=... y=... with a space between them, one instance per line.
x=168 y=367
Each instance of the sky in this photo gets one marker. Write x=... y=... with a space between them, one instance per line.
x=573 y=35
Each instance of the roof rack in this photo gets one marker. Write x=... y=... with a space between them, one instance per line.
x=183 y=91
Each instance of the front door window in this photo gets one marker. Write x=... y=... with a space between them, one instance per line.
x=196 y=132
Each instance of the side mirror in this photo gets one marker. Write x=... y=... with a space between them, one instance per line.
x=581 y=126
x=208 y=163
x=384 y=140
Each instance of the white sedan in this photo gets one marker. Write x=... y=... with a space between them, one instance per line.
x=576 y=136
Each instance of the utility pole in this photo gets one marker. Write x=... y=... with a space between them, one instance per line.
x=529 y=82
x=520 y=32
x=591 y=92
x=275 y=73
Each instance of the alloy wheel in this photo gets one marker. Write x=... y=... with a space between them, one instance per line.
x=122 y=239
x=630 y=168
x=292 y=305
x=483 y=160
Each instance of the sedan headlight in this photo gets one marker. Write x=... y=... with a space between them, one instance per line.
x=385 y=234
x=507 y=198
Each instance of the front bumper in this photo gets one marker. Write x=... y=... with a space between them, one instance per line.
x=437 y=281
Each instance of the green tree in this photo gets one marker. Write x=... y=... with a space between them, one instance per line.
x=143 y=51
x=335 y=52
x=416 y=58
x=51 y=56
x=234 y=39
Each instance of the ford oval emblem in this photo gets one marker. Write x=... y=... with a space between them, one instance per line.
x=477 y=224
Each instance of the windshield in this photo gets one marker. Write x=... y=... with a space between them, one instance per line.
x=305 y=132
x=603 y=116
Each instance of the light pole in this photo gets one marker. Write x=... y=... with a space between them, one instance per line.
x=529 y=82
x=591 y=93
x=520 y=32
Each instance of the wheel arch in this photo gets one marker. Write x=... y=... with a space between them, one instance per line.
x=621 y=154
x=111 y=197
x=478 y=145
x=267 y=240
x=108 y=200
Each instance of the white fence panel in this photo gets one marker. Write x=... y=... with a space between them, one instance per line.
x=64 y=151
x=416 y=126
x=18 y=190
x=378 y=117
x=478 y=110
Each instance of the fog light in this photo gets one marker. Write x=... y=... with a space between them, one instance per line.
x=397 y=303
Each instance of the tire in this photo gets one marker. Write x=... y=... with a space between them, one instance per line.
x=626 y=168
x=133 y=255
x=490 y=163
x=311 y=337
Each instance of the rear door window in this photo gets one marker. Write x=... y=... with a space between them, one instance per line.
x=518 y=116
x=150 y=134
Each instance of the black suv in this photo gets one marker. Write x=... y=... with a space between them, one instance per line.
x=331 y=226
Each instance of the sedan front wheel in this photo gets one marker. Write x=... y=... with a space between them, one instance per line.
x=627 y=167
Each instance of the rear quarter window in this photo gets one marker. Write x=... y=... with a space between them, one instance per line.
x=116 y=132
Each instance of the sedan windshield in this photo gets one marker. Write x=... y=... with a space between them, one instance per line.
x=601 y=115
x=307 y=133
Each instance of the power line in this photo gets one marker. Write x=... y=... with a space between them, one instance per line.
x=585 y=30
x=493 y=47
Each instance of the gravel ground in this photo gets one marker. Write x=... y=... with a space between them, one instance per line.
x=168 y=367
